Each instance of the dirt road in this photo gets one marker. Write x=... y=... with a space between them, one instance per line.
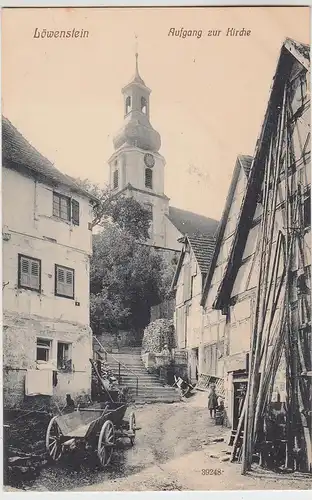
x=167 y=431
x=174 y=450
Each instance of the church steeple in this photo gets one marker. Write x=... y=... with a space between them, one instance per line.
x=137 y=130
x=136 y=166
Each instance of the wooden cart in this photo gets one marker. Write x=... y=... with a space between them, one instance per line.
x=94 y=429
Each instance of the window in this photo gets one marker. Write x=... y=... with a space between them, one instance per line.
x=149 y=208
x=128 y=104
x=75 y=212
x=143 y=105
x=64 y=281
x=149 y=178
x=64 y=362
x=192 y=286
x=66 y=209
x=29 y=273
x=115 y=179
x=43 y=350
x=61 y=206
x=187 y=292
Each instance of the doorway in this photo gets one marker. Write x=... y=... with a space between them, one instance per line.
x=194 y=366
x=239 y=393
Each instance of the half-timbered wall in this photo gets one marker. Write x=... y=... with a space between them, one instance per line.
x=295 y=153
x=215 y=324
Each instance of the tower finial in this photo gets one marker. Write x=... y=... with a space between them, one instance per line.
x=136 y=55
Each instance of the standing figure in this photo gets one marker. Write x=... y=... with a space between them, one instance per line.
x=212 y=401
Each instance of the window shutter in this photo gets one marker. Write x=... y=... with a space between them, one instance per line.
x=75 y=212
x=187 y=282
x=25 y=272
x=30 y=273
x=65 y=282
x=34 y=274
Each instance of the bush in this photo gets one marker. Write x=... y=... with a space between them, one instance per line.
x=157 y=334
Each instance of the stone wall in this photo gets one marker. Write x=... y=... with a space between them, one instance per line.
x=20 y=335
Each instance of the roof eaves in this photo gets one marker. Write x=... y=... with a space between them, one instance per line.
x=254 y=180
x=178 y=269
x=300 y=51
x=221 y=229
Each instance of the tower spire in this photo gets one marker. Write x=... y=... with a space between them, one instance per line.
x=137 y=64
x=136 y=56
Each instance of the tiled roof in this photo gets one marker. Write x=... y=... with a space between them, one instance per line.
x=190 y=224
x=298 y=49
x=203 y=248
x=17 y=149
x=242 y=162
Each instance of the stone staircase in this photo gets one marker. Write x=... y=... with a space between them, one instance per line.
x=134 y=375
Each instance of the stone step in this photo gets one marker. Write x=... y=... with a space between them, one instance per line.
x=149 y=395
x=140 y=400
x=123 y=364
x=154 y=394
x=141 y=376
x=142 y=384
x=134 y=373
x=129 y=369
x=156 y=385
x=154 y=391
x=150 y=389
x=141 y=381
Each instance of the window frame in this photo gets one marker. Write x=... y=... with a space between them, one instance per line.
x=68 y=199
x=75 y=212
x=143 y=105
x=150 y=173
x=68 y=369
x=20 y=285
x=116 y=179
x=56 y=266
x=128 y=104
x=49 y=349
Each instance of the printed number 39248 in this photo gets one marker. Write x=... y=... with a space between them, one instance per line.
x=211 y=472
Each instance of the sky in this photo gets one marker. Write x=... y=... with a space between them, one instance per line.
x=208 y=100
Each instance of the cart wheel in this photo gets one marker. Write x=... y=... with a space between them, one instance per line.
x=54 y=446
x=106 y=443
x=132 y=427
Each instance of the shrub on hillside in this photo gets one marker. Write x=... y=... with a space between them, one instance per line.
x=157 y=334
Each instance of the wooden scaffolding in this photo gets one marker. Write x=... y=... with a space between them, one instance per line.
x=281 y=330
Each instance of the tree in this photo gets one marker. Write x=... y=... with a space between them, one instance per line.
x=131 y=216
x=104 y=197
x=128 y=213
x=127 y=278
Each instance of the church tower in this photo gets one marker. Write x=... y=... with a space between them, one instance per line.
x=136 y=167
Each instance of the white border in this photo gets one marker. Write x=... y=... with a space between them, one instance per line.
x=184 y=495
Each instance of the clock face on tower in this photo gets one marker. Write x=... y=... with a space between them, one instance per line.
x=149 y=160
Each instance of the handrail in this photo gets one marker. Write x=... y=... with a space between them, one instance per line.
x=117 y=361
x=121 y=364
